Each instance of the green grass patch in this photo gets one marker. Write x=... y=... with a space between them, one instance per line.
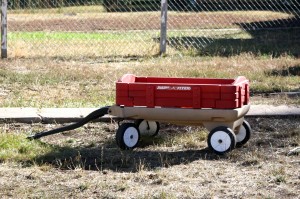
x=71 y=44
x=70 y=36
x=15 y=147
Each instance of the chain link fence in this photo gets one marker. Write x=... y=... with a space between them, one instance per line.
x=132 y=28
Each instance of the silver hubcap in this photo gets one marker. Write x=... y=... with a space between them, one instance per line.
x=131 y=137
x=220 y=141
x=241 y=135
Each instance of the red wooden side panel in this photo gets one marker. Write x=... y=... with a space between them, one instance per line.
x=182 y=92
x=122 y=89
x=173 y=95
x=208 y=104
x=166 y=102
x=227 y=104
x=196 y=97
x=150 y=99
x=139 y=101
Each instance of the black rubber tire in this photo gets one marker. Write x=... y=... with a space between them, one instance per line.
x=221 y=140
x=246 y=126
x=139 y=122
x=127 y=132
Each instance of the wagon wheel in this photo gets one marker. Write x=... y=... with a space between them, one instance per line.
x=148 y=128
x=221 y=140
x=127 y=136
x=244 y=134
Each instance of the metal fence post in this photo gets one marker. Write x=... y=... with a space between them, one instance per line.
x=4 y=29
x=163 y=30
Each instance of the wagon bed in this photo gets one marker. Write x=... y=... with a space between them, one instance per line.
x=182 y=92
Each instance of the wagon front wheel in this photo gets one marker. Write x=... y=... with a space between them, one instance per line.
x=244 y=134
x=127 y=136
x=147 y=128
x=221 y=140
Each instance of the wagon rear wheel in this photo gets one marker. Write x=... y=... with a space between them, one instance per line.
x=127 y=136
x=221 y=140
x=147 y=128
x=244 y=134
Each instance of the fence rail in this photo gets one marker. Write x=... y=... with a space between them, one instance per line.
x=136 y=28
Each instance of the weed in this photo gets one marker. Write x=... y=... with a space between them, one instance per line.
x=83 y=187
x=70 y=141
x=279 y=175
x=141 y=166
x=164 y=195
x=280 y=179
x=122 y=186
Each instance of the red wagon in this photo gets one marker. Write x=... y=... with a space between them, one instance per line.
x=217 y=104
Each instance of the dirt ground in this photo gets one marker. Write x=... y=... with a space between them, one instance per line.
x=175 y=164
x=147 y=21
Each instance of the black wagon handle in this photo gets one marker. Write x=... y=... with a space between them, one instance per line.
x=90 y=117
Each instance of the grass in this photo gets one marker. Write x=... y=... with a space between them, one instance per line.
x=56 y=37
x=137 y=33
x=121 y=35
x=90 y=45
x=70 y=9
x=61 y=82
x=15 y=147
x=273 y=43
x=175 y=165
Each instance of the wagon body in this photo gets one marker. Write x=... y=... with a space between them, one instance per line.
x=218 y=104
x=197 y=93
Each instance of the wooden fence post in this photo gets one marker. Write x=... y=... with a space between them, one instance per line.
x=163 y=29
x=4 y=29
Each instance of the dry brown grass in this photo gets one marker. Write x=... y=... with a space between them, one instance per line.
x=91 y=82
x=89 y=164
x=176 y=164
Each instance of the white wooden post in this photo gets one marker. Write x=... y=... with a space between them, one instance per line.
x=4 y=29
x=163 y=29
